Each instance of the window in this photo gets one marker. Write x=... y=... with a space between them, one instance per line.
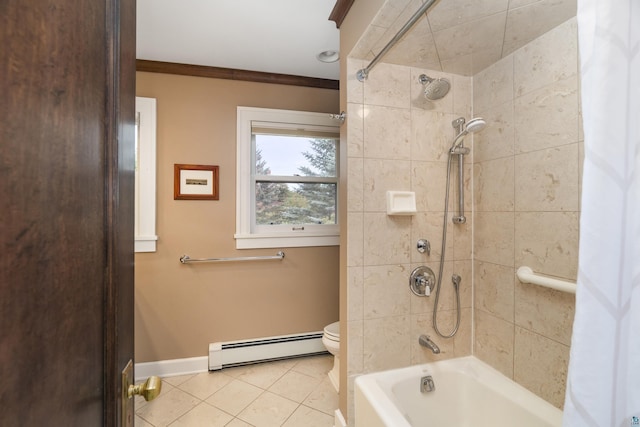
x=145 y=171
x=287 y=179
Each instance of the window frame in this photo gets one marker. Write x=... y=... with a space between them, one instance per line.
x=145 y=176
x=246 y=236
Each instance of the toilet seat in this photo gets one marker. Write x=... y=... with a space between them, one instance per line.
x=332 y=331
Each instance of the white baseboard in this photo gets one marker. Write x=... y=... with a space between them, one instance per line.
x=236 y=353
x=339 y=419
x=172 y=368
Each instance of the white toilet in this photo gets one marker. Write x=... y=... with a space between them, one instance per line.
x=331 y=340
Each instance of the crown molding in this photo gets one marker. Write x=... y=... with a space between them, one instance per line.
x=339 y=11
x=234 y=74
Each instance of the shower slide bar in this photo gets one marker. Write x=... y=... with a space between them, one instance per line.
x=186 y=259
x=526 y=275
x=364 y=73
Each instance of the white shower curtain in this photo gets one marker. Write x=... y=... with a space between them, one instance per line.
x=603 y=386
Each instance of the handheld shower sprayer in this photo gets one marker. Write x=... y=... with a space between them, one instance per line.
x=458 y=149
x=474 y=125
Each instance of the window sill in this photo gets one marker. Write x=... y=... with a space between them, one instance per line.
x=145 y=244
x=258 y=241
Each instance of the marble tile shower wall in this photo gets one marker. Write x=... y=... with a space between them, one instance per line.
x=526 y=205
x=397 y=140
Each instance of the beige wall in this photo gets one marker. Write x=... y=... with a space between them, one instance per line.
x=180 y=309
x=526 y=194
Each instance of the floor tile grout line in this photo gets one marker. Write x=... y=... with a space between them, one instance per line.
x=311 y=371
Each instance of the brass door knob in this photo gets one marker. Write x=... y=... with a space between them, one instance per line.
x=150 y=389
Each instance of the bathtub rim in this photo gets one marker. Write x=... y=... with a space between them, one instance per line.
x=370 y=386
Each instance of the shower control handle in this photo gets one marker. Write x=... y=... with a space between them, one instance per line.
x=422 y=281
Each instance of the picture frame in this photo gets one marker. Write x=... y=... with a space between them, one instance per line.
x=195 y=182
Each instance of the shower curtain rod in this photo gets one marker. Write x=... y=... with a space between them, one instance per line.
x=364 y=73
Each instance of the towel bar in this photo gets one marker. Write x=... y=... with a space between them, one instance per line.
x=185 y=259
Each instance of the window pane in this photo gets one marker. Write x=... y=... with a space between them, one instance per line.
x=295 y=155
x=280 y=203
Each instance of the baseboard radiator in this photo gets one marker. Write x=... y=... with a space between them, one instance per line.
x=247 y=352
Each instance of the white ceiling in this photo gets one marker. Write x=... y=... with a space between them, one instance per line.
x=284 y=36
x=276 y=36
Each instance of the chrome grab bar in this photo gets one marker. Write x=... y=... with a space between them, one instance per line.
x=185 y=259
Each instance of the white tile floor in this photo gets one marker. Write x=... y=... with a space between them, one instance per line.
x=288 y=393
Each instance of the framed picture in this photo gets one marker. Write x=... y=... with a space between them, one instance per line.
x=195 y=182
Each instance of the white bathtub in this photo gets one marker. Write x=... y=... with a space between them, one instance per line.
x=468 y=393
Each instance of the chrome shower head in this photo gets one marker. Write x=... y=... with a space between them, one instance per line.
x=434 y=88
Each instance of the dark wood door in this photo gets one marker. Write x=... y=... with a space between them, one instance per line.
x=67 y=83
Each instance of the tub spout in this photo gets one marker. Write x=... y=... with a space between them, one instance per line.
x=425 y=341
